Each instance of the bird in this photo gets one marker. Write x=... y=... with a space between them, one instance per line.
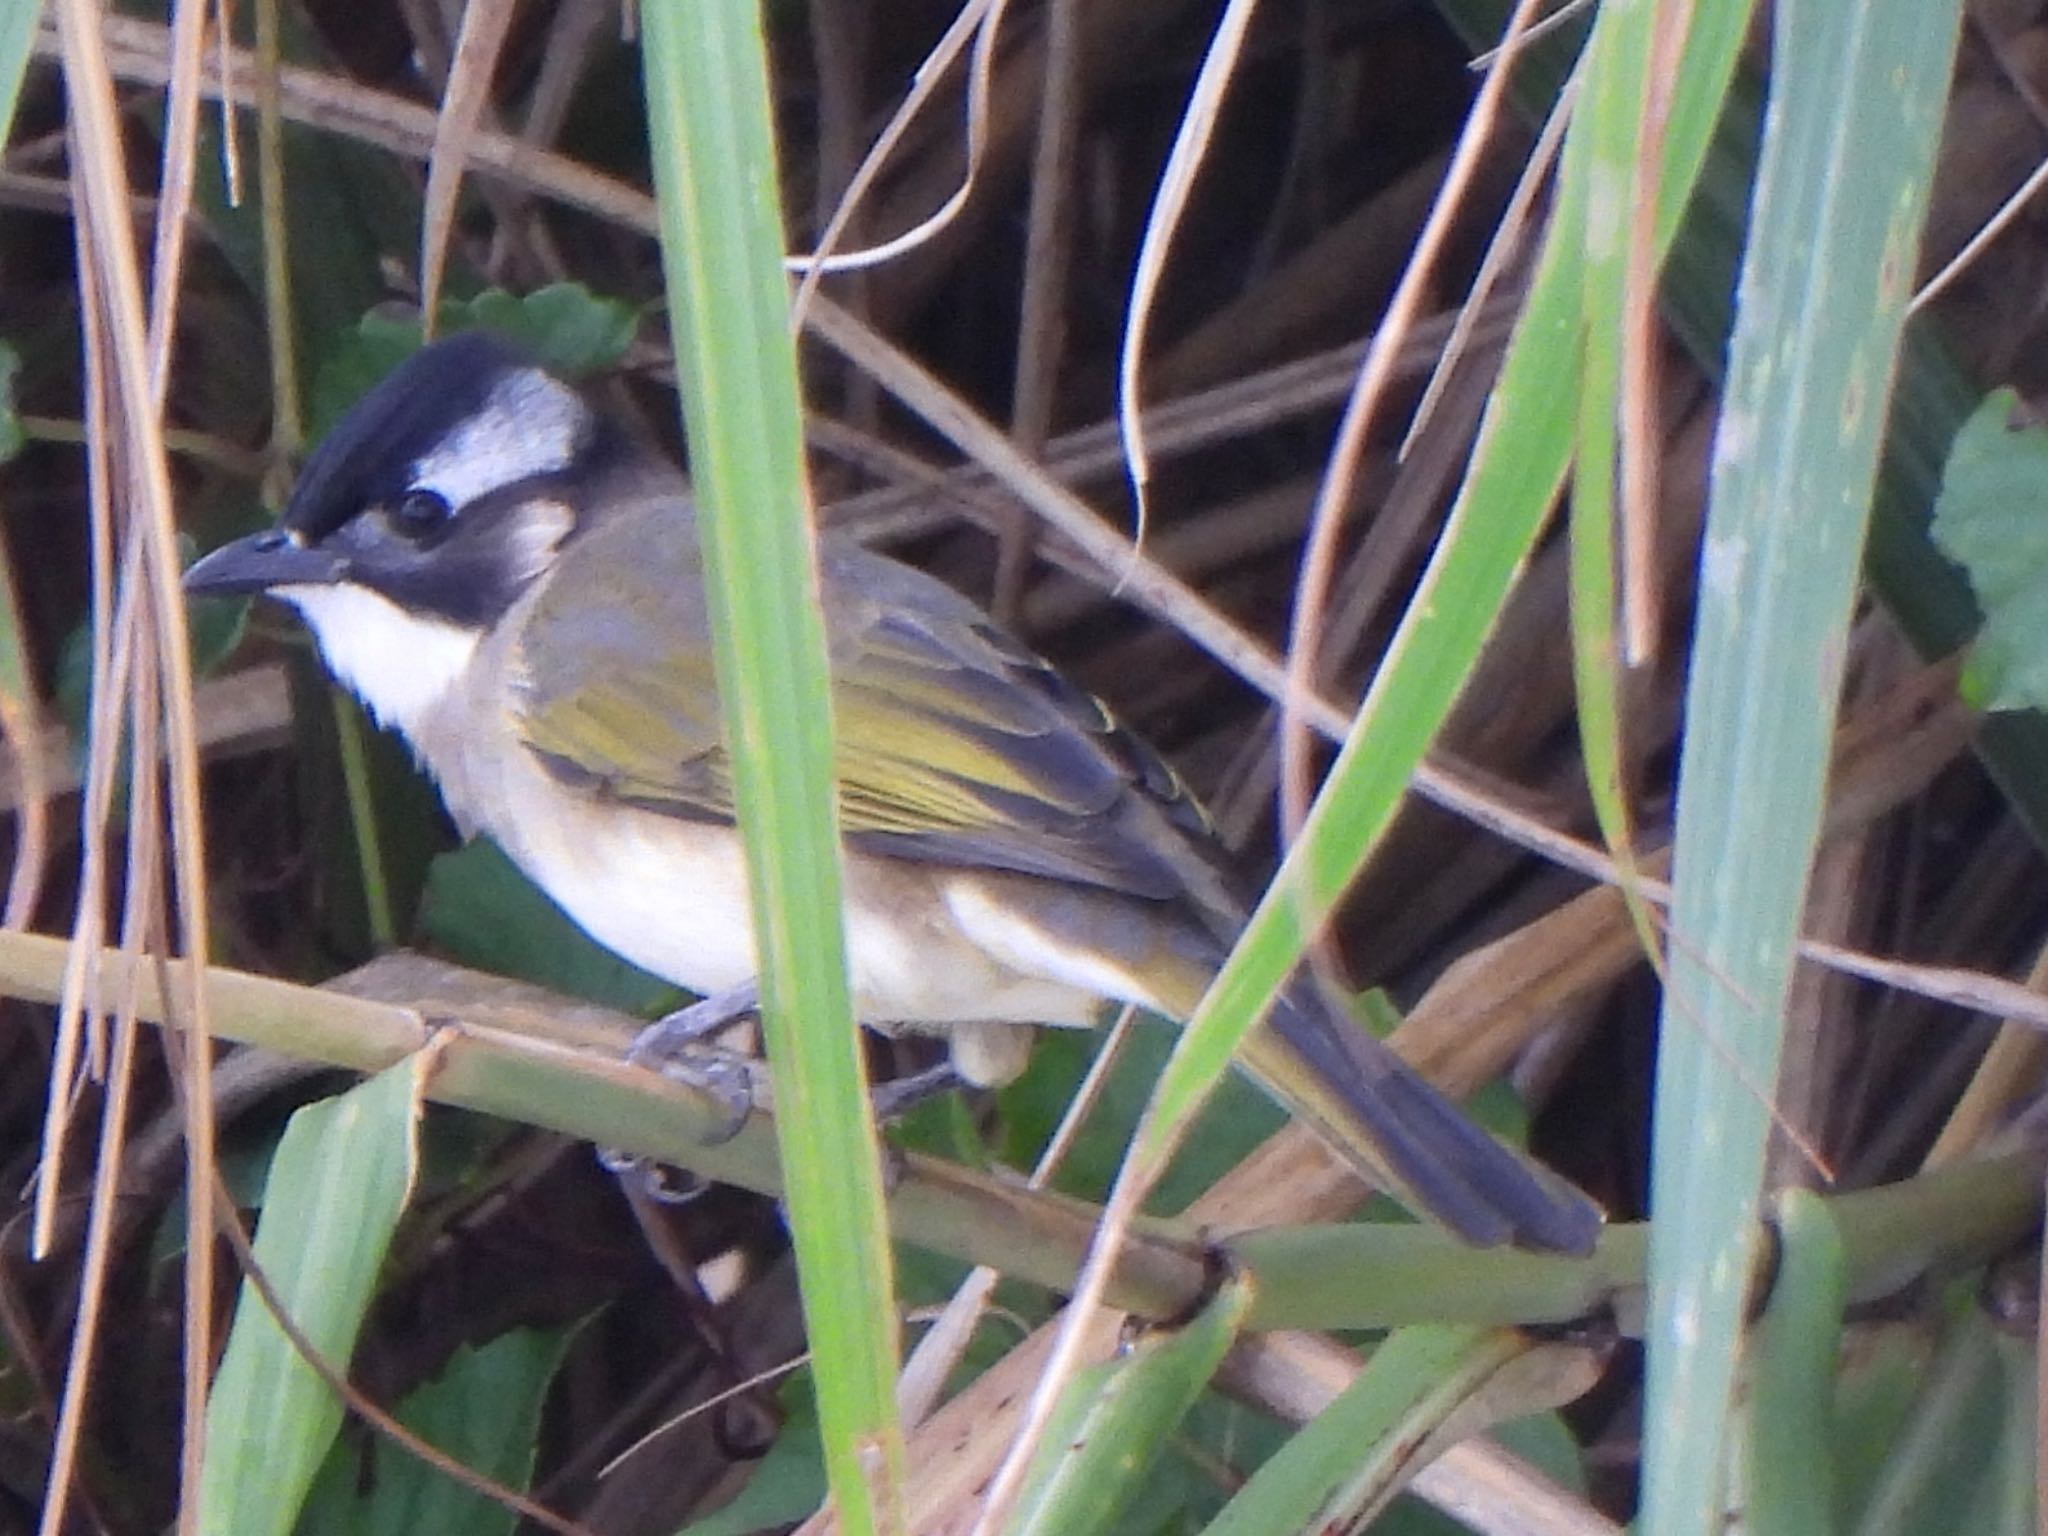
x=513 y=581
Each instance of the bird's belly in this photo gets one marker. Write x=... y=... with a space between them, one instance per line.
x=668 y=896
x=671 y=896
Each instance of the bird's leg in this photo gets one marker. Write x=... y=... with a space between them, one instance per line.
x=900 y=1095
x=674 y=1034
x=677 y=1042
x=679 y=1046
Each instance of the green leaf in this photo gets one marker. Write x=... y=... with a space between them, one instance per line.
x=17 y=42
x=483 y=1410
x=345 y=204
x=1542 y=1439
x=335 y=1192
x=355 y=362
x=1357 y=1452
x=1970 y=1428
x=1524 y=447
x=1791 y=1453
x=1857 y=95
x=711 y=126
x=1988 y=519
x=565 y=326
x=1876 y=1386
x=1115 y=1417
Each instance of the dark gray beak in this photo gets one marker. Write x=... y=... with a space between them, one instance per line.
x=262 y=561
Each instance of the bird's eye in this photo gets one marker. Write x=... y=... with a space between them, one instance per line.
x=420 y=512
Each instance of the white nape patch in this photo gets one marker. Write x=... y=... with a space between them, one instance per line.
x=399 y=664
x=528 y=425
x=533 y=535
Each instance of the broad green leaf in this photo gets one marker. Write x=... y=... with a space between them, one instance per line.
x=1992 y=519
x=484 y=1411
x=352 y=364
x=565 y=326
x=333 y=1198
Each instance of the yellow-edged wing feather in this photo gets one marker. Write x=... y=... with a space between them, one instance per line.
x=954 y=743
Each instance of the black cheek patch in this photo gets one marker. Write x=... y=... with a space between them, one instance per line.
x=472 y=568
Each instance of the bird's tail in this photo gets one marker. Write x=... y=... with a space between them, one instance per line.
x=1405 y=1136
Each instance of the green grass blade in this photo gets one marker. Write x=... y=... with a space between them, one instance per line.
x=710 y=120
x=1357 y=1453
x=1789 y=1457
x=1947 y=1470
x=1116 y=1416
x=1524 y=447
x=1601 y=151
x=1606 y=156
x=336 y=1188
x=1857 y=96
x=1933 y=396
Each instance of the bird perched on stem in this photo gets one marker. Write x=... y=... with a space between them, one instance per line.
x=512 y=582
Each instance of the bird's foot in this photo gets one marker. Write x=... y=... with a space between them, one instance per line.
x=674 y=1034
x=900 y=1095
x=680 y=1046
x=658 y=1182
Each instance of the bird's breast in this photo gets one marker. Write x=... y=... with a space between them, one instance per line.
x=666 y=894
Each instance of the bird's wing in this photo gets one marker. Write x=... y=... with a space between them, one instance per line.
x=955 y=744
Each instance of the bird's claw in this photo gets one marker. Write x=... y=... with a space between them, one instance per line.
x=678 y=1047
x=675 y=1033
x=657 y=1181
x=900 y=1095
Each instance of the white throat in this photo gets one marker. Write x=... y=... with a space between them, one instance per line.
x=399 y=664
